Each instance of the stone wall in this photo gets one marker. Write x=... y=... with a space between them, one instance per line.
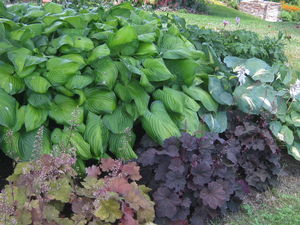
x=269 y=11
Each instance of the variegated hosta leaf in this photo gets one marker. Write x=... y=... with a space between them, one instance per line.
x=216 y=122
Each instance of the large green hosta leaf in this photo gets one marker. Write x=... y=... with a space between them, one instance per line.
x=147 y=49
x=8 y=107
x=188 y=121
x=119 y=121
x=18 y=58
x=158 y=124
x=20 y=118
x=155 y=70
x=42 y=101
x=61 y=41
x=95 y=134
x=79 y=82
x=100 y=100
x=123 y=36
x=6 y=68
x=171 y=98
x=121 y=145
x=173 y=47
x=99 y=52
x=11 y=84
x=34 y=118
x=201 y=95
x=106 y=73
x=37 y=83
x=139 y=95
x=33 y=144
x=61 y=69
x=9 y=141
x=175 y=101
x=122 y=92
x=75 y=140
x=83 y=43
x=66 y=111
x=184 y=69
x=53 y=8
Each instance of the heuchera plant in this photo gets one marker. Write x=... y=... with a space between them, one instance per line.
x=47 y=192
x=195 y=179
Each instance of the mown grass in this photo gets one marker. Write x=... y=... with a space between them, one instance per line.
x=217 y=13
x=283 y=211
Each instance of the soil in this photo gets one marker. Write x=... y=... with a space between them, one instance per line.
x=6 y=168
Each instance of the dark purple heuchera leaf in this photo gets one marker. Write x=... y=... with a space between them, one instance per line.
x=232 y=150
x=171 y=150
x=177 y=165
x=198 y=218
x=147 y=142
x=213 y=195
x=201 y=173
x=188 y=142
x=161 y=171
x=244 y=186
x=167 y=202
x=171 y=141
x=175 y=181
x=147 y=157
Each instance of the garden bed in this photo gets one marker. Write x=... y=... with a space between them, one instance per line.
x=82 y=86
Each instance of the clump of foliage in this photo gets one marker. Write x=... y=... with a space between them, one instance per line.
x=47 y=191
x=195 y=179
x=89 y=76
x=259 y=157
x=241 y=43
x=265 y=84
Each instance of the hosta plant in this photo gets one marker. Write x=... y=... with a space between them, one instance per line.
x=89 y=76
x=274 y=89
x=196 y=179
x=47 y=191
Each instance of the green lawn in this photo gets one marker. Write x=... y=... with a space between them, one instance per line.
x=219 y=13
